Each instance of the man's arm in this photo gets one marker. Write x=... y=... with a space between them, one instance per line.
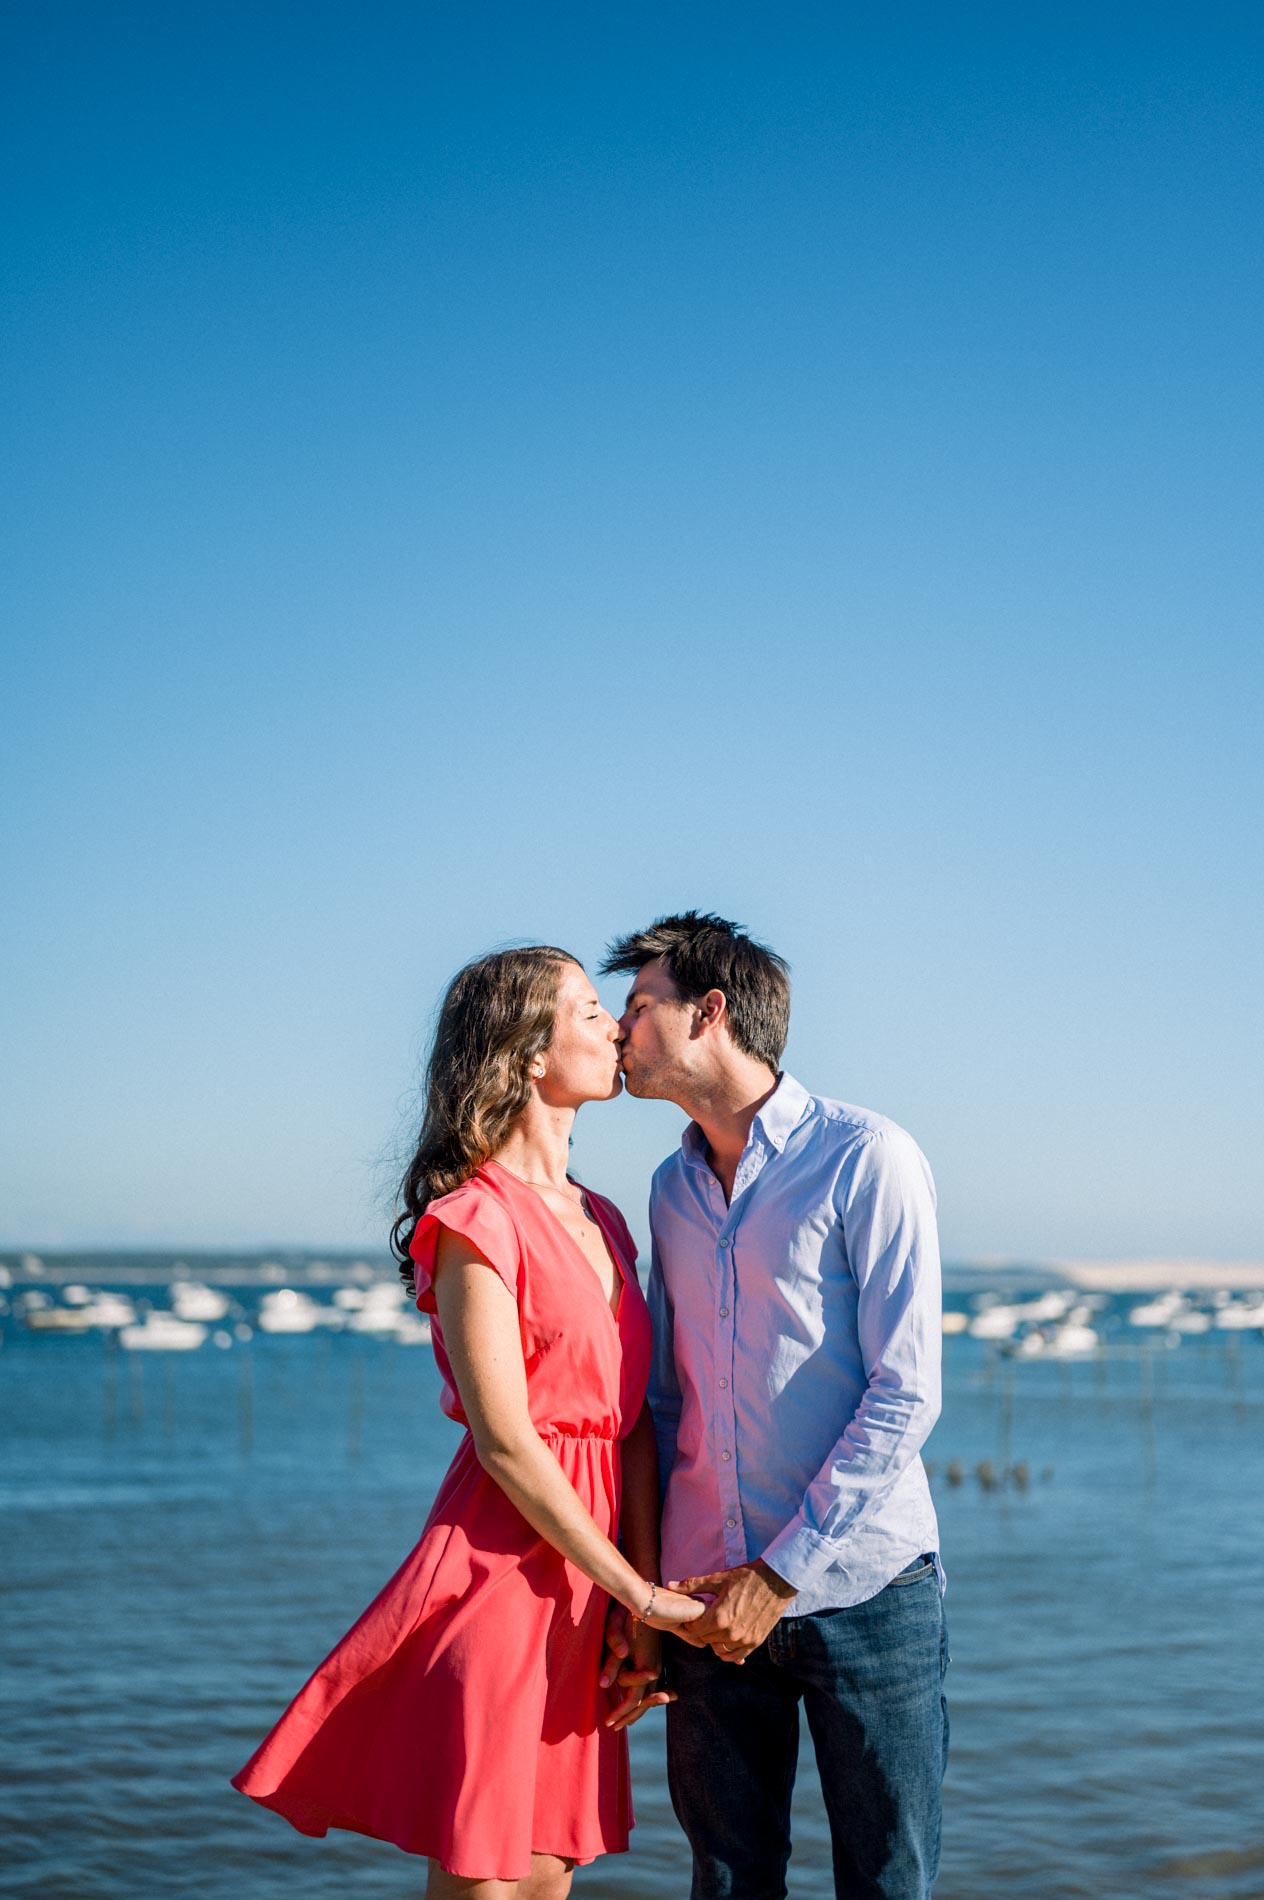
x=888 y=1220
x=888 y=1217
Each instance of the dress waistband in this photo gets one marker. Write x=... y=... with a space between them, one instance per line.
x=565 y=1431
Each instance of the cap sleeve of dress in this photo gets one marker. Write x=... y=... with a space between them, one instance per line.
x=476 y=1215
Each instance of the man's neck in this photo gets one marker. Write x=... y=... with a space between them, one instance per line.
x=725 y=1109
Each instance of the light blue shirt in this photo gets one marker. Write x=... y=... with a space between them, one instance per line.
x=797 y=1343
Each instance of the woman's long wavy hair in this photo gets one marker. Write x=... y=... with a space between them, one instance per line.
x=496 y=1018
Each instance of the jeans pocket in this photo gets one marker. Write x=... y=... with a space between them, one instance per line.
x=920 y=1568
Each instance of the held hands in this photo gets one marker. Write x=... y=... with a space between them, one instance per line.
x=742 y=1607
x=634 y=1653
x=746 y=1604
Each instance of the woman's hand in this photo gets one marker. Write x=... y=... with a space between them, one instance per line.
x=639 y=1676
x=671 y=1610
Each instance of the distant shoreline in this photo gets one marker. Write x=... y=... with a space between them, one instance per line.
x=298 y=1266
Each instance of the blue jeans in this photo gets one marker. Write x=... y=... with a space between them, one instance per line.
x=871 y=1679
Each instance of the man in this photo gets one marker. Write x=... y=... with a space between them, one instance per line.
x=794 y=1284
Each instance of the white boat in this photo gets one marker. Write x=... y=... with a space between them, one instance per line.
x=162 y=1332
x=106 y=1311
x=1239 y=1315
x=380 y=1310
x=1072 y=1340
x=1158 y=1312
x=289 y=1311
x=191 y=1300
x=411 y=1329
x=954 y=1321
x=996 y=1322
x=58 y=1319
x=110 y=1311
x=1193 y=1320
x=1048 y=1306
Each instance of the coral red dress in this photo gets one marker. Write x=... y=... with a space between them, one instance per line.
x=462 y=1716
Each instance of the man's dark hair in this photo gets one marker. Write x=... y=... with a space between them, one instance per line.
x=701 y=952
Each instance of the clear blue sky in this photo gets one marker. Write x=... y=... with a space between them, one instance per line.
x=484 y=472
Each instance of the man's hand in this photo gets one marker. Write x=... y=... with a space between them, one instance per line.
x=633 y=1660
x=618 y=1647
x=747 y=1603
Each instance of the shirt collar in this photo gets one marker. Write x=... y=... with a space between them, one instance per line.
x=783 y=1111
x=776 y=1120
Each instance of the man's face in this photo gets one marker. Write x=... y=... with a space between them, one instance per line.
x=656 y=1041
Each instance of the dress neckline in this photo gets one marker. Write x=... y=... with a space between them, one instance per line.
x=590 y=1206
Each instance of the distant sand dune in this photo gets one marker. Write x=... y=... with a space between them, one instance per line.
x=1145 y=1276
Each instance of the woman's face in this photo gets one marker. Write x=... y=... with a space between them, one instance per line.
x=581 y=1064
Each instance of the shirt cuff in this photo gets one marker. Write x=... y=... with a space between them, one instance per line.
x=800 y=1555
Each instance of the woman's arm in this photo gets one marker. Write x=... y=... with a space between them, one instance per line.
x=479 y=1317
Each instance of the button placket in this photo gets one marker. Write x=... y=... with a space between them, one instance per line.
x=725 y=1417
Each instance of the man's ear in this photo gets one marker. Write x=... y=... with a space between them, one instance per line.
x=713 y=1010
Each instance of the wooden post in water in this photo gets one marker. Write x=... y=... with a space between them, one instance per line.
x=1233 y=1354
x=355 y=1405
x=112 y=1350
x=1147 y=1414
x=246 y=1401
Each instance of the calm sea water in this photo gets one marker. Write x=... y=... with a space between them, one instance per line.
x=184 y=1536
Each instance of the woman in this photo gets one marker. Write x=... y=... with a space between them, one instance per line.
x=464 y=1717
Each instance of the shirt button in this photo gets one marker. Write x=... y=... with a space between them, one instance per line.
x=731 y=1522
x=724 y=1312
x=725 y=1241
x=726 y=1455
x=724 y=1384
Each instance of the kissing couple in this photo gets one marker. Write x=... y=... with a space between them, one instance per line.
x=709 y=1496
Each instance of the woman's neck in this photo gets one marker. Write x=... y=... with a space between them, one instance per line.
x=537 y=1147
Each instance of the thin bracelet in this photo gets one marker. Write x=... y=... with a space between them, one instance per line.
x=639 y=1616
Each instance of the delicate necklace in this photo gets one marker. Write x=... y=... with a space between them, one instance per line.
x=548 y=1188
x=527 y=1180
